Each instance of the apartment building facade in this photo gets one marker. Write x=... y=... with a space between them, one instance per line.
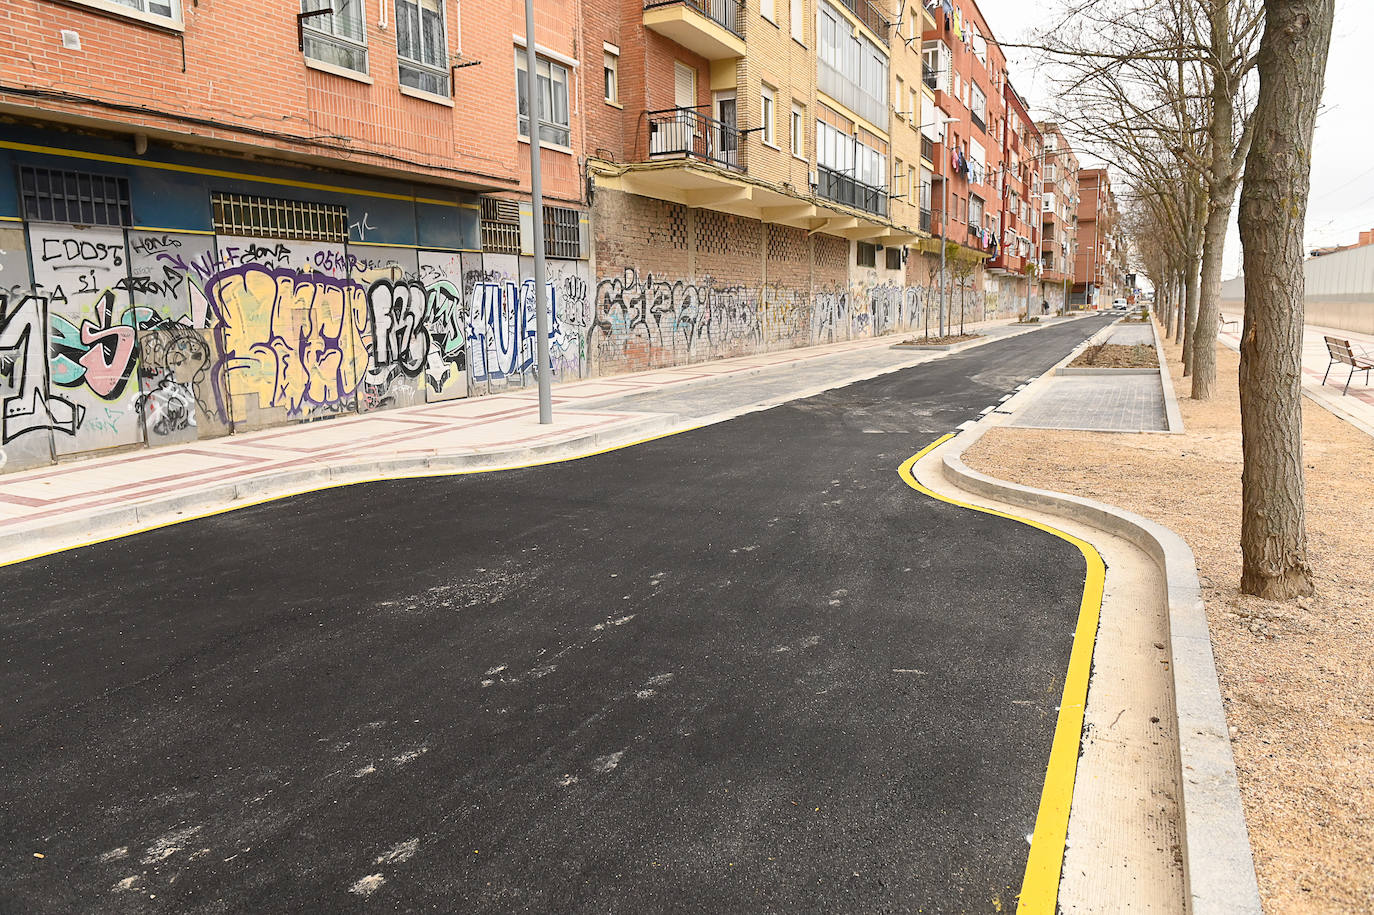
x=1058 y=216
x=197 y=243
x=1099 y=268
x=1017 y=261
x=194 y=244
x=967 y=70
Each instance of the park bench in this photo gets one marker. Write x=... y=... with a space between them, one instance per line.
x=1340 y=353
x=1230 y=322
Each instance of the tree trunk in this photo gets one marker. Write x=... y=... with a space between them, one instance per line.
x=1191 y=280
x=1273 y=209
x=1204 y=347
x=1221 y=196
x=1178 y=308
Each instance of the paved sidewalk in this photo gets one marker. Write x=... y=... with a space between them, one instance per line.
x=1357 y=406
x=78 y=501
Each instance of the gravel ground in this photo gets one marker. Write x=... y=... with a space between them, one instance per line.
x=1298 y=677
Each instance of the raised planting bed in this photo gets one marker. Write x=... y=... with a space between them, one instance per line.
x=949 y=341
x=1117 y=356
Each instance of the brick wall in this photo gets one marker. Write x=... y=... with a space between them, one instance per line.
x=678 y=284
x=243 y=80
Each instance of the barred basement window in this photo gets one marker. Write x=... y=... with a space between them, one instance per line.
x=83 y=198
x=562 y=237
x=500 y=226
x=867 y=255
x=894 y=258
x=274 y=217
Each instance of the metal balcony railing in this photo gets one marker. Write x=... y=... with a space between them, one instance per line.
x=927 y=148
x=688 y=132
x=841 y=188
x=729 y=13
x=930 y=76
x=977 y=122
x=868 y=14
x=925 y=220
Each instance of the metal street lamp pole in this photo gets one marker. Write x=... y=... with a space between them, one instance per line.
x=541 y=292
x=944 y=123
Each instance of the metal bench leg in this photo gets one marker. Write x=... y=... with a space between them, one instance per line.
x=1329 y=363
x=1347 y=381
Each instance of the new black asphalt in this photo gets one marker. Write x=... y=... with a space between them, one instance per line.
x=740 y=669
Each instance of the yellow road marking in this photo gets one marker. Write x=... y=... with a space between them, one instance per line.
x=143 y=528
x=1040 y=885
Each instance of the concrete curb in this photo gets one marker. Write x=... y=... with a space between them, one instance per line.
x=1218 y=866
x=1172 y=417
x=1087 y=370
x=17 y=545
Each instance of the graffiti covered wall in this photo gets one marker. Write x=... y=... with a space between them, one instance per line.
x=112 y=337
x=677 y=285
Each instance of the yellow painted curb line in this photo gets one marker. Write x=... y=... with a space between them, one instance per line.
x=339 y=485
x=1040 y=886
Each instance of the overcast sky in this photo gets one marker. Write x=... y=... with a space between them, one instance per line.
x=1342 y=201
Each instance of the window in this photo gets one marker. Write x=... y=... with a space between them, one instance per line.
x=277 y=217
x=866 y=255
x=850 y=68
x=914 y=107
x=562 y=232
x=610 y=69
x=501 y=226
x=798 y=12
x=975 y=211
x=798 y=129
x=912 y=188
x=422 y=45
x=894 y=257
x=980 y=103
x=554 y=126
x=83 y=198
x=900 y=97
x=338 y=38
x=897 y=175
x=767 y=116
x=766 y=10
x=169 y=9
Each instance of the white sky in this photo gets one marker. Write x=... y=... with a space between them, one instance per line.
x=1342 y=202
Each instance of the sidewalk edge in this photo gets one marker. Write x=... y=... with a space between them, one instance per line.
x=24 y=544
x=1218 y=865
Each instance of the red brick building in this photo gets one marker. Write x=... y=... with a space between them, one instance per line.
x=1058 y=216
x=1099 y=271
x=1022 y=155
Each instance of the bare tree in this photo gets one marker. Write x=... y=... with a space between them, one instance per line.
x=1273 y=209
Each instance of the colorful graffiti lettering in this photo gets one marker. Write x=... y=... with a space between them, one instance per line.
x=30 y=405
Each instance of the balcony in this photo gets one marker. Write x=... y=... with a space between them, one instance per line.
x=846 y=190
x=712 y=28
x=930 y=76
x=676 y=133
x=845 y=91
x=868 y=14
x=927 y=148
x=977 y=121
x=925 y=219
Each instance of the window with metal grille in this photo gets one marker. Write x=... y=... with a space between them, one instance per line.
x=866 y=255
x=275 y=217
x=500 y=226
x=561 y=235
x=53 y=195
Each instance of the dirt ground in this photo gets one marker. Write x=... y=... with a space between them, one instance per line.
x=1117 y=356
x=1297 y=678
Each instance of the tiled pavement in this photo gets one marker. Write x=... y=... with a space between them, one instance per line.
x=1114 y=403
x=1132 y=334
x=1356 y=406
x=85 y=497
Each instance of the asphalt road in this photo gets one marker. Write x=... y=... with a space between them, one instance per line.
x=741 y=669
